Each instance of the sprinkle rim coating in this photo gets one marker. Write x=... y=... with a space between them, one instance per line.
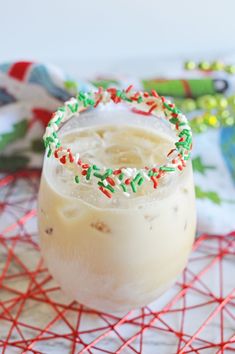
x=124 y=179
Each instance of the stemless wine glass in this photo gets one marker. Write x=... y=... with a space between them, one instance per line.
x=116 y=203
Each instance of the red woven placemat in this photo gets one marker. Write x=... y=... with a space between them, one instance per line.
x=197 y=315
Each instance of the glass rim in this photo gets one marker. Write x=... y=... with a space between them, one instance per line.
x=126 y=179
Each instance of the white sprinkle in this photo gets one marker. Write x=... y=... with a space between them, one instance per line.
x=77 y=156
x=105 y=182
x=126 y=194
x=54 y=126
x=127 y=172
x=53 y=146
x=117 y=181
x=146 y=176
x=48 y=131
x=170 y=165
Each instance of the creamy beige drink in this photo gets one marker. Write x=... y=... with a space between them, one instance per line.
x=120 y=253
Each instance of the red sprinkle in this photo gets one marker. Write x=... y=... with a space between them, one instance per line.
x=154 y=93
x=84 y=172
x=138 y=111
x=106 y=192
x=149 y=103
x=154 y=169
x=100 y=90
x=128 y=181
x=111 y=181
x=85 y=165
x=159 y=174
x=172 y=150
x=182 y=160
x=133 y=98
x=129 y=88
x=163 y=99
x=56 y=152
x=146 y=94
x=117 y=172
x=181 y=139
x=155 y=183
x=174 y=161
x=174 y=115
x=116 y=99
x=112 y=90
x=71 y=158
x=63 y=159
x=97 y=102
x=79 y=162
x=180 y=167
x=152 y=108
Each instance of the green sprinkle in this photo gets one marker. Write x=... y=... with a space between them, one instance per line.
x=123 y=187
x=49 y=152
x=73 y=108
x=181 y=143
x=187 y=157
x=123 y=95
x=120 y=177
x=88 y=175
x=77 y=179
x=96 y=168
x=185 y=144
x=150 y=173
x=174 y=120
x=184 y=132
x=176 y=110
x=98 y=175
x=90 y=101
x=167 y=169
x=58 y=121
x=110 y=188
x=55 y=135
x=133 y=186
x=141 y=181
x=140 y=99
x=137 y=177
x=168 y=107
x=49 y=140
x=61 y=109
x=119 y=93
x=108 y=172
x=81 y=96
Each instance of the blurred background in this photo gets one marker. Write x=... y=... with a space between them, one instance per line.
x=88 y=37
